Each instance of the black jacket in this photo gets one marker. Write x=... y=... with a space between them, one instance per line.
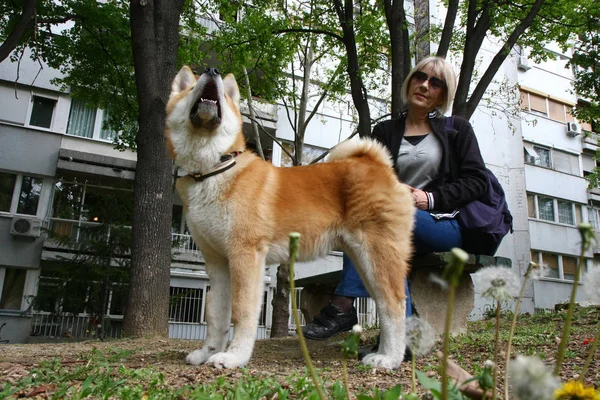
x=462 y=177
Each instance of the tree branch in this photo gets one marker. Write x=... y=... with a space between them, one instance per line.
x=25 y=23
x=448 y=28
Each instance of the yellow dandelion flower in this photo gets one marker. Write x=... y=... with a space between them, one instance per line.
x=574 y=390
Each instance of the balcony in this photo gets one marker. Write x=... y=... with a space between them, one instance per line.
x=183 y=246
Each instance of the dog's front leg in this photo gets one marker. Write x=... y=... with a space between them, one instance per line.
x=246 y=270
x=218 y=312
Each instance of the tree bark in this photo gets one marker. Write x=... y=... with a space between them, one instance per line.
x=24 y=24
x=281 y=303
x=345 y=13
x=400 y=51
x=155 y=37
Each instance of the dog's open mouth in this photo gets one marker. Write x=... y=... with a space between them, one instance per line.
x=206 y=111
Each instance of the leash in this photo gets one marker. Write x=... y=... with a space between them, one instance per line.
x=227 y=162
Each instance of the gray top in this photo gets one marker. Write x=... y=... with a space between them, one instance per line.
x=418 y=164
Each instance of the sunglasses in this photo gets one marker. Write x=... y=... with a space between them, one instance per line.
x=435 y=83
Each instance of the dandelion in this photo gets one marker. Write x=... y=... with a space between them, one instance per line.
x=420 y=337
x=537 y=271
x=574 y=390
x=591 y=284
x=531 y=380
x=498 y=283
x=357 y=329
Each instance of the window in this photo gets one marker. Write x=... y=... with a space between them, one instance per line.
x=29 y=189
x=569 y=266
x=30 y=195
x=11 y=295
x=551 y=261
x=81 y=119
x=7 y=187
x=556 y=110
x=593 y=218
x=106 y=132
x=546 y=208
x=565 y=212
x=537 y=104
x=42 y=111
x=531 y=205
x=553 y=210
x=544 y=158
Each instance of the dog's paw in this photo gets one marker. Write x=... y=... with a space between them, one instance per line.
x=226 y=360
x=197 y=357
x=381 y=361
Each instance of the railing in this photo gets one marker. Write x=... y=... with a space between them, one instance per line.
x=78 y=231
x=74 y=326
x=183 y=244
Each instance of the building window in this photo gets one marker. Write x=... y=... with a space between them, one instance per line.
x=545 y=158
x=13 y=286
x=81 y=119
x=538 y=104
x=569 y=267
x=553 y=210
x=565 y=212
x=593 y=218
x=546 y=208
x=7 y=187
x=42 y=111
x=106 y=132
x=29 y=197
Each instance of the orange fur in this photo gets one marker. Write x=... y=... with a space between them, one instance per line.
x=353 y=202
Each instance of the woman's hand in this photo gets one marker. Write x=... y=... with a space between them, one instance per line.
x=420 y=198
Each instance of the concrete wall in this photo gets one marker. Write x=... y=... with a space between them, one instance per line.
x=551 y=292
x=28 y=151
x=16 y=329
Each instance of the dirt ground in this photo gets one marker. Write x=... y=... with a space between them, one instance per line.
x=274 y=358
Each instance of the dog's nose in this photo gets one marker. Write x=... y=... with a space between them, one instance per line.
x=211 y=71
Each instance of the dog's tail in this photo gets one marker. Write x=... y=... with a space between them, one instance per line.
x=361 y=148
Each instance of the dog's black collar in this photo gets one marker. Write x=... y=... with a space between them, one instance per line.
x=227 y=162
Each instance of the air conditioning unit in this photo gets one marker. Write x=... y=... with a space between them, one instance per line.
x=523 y=64
x=26 y=226
x=573 y=129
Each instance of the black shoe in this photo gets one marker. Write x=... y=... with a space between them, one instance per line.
x=362 y=352
x=330 y=321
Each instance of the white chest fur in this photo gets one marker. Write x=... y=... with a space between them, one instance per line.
x=207 y=216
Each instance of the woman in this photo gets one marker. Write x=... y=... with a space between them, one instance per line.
x=439 y=159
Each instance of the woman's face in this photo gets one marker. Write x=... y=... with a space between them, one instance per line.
x=426 y=90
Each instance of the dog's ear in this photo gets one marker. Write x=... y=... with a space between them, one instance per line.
x=183 y=80
x=231 y=89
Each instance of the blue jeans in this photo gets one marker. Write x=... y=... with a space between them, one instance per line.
x=430 y=235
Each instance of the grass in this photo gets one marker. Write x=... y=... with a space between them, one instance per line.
x=127 y=369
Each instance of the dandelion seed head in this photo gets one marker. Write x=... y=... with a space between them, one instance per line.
x=531 y=380
x=420 y=337
x=438 y=281
x=498 y=283
x=357 y=329
x=488 y=364
x=591 y=284
x=537 y=271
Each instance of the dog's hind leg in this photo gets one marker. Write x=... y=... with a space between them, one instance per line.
x=218 y=311
x=383 y=267
x=247 y=270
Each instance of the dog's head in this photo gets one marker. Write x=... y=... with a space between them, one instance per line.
x=203 y=114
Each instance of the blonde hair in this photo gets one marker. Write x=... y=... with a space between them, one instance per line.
x=440 y=67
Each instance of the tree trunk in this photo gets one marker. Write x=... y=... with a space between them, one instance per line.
x=400 y=50
x=281 y=303
x=24 y=24
x=345 y=13
x=155 y=37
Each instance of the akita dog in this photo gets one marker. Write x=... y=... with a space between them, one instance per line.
x=241 y=210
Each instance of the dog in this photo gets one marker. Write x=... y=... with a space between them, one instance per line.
x=240 y=210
